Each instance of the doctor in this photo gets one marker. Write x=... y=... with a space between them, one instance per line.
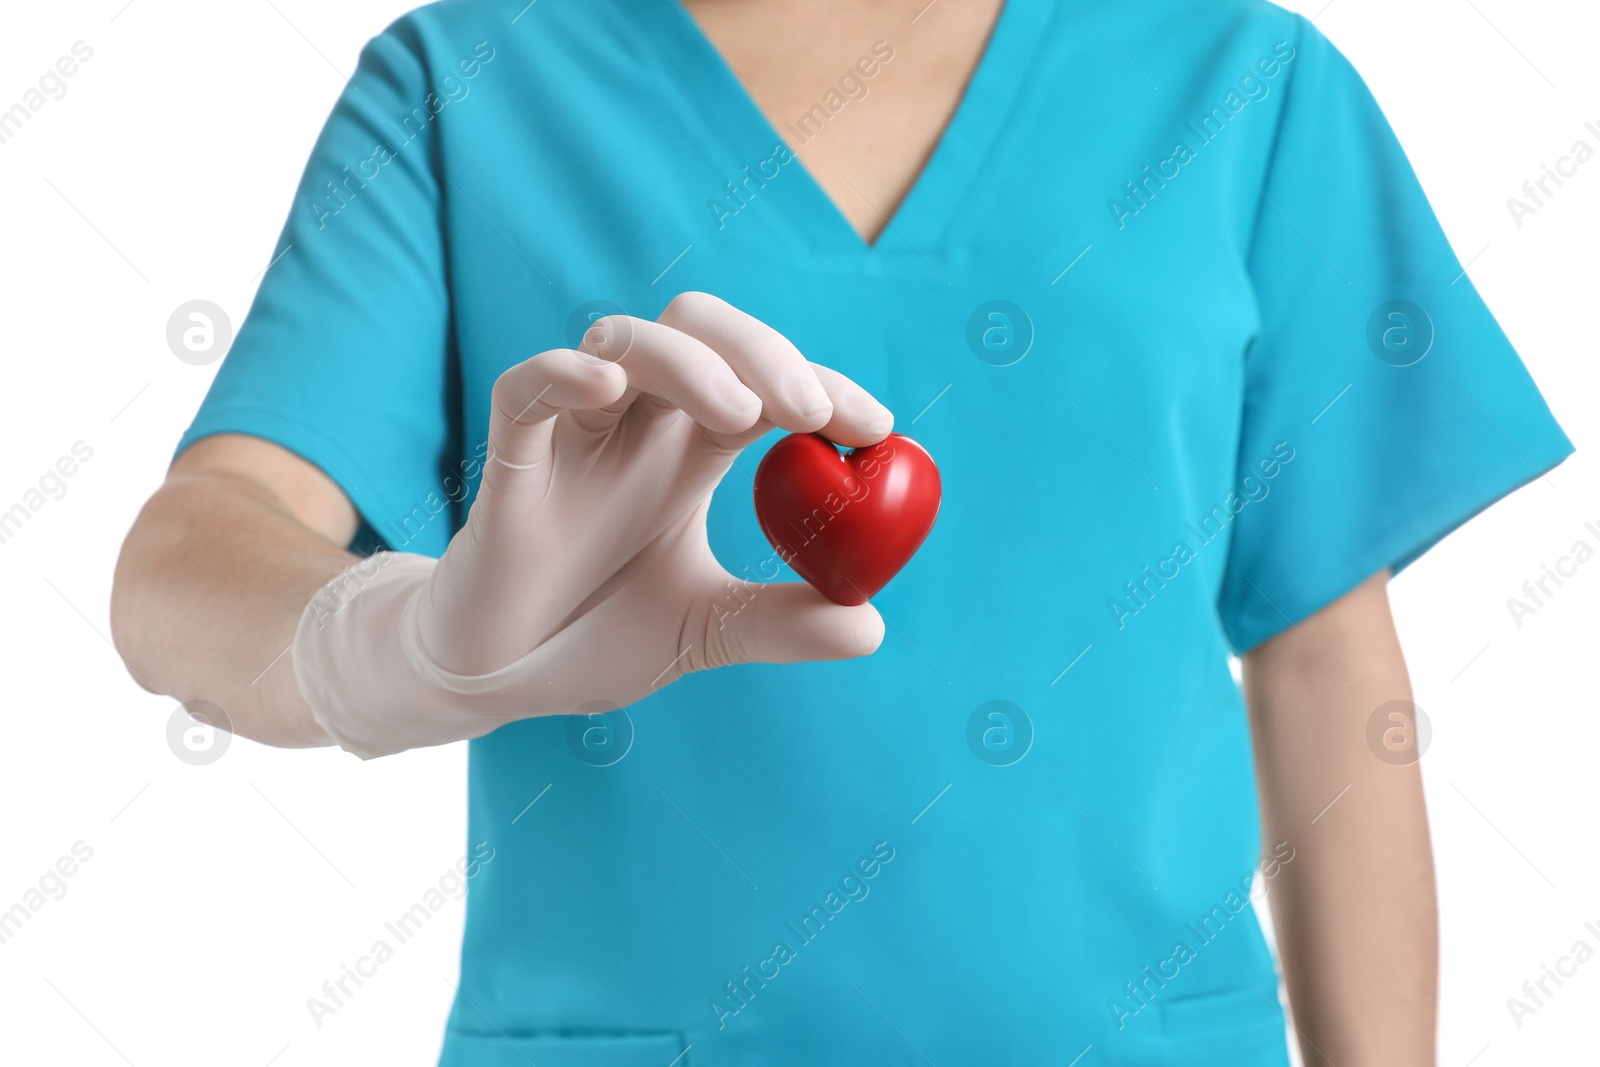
x=1154 y=284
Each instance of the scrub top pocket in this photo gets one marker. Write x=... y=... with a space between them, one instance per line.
x=1231 y=1011
x=564 y=1049
x=1230 y=1027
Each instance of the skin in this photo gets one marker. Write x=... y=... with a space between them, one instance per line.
x=213 y=577
x=216 y=570
x=1355 y=911
x=869 y=154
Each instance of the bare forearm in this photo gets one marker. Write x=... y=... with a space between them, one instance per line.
x=1355 y=913
x=208 y=591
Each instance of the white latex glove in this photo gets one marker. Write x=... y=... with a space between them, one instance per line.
x=583 y=571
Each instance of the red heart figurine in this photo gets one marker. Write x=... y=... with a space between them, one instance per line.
x=846 y=522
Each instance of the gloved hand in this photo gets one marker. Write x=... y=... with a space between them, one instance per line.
x=583 y=572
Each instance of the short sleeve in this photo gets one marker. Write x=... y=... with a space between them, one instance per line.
x=1377 y=370
x=344 y=355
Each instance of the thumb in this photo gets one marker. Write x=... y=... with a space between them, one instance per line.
x=785 y=622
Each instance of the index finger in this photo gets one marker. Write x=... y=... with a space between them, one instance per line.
x=796 y=395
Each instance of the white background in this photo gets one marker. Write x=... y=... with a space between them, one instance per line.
x=218 y=898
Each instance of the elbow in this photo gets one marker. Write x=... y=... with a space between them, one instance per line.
x=130 y=622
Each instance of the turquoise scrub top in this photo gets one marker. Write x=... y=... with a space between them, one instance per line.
x=1172 y=314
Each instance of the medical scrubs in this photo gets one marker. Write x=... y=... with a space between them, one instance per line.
x=1171 y=312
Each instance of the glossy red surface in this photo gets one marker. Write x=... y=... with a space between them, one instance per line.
x=846 y=522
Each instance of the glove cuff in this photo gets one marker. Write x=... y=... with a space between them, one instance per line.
x=360 y=668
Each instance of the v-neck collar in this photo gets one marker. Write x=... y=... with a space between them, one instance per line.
x=934 y=198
